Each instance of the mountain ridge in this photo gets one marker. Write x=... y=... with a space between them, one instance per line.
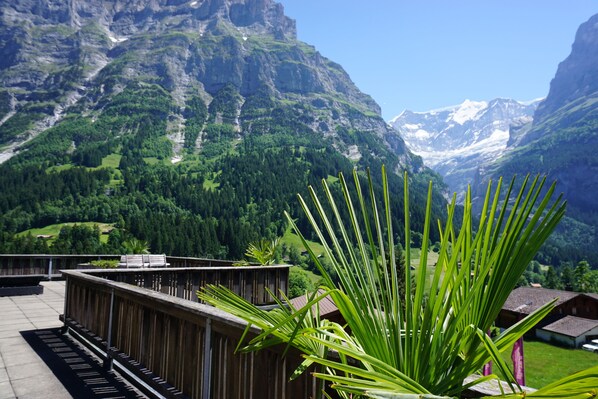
x=104 y=55
x=191 y=125
x=456 y=141
x=561 y=144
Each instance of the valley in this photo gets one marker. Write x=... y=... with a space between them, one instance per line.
x=207 y=130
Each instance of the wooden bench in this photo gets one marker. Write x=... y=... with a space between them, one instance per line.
x=28 y=284
x=143 y=261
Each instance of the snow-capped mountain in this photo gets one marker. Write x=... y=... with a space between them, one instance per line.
x=456 y=141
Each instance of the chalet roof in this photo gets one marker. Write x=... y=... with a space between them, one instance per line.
x=591 y=295
x=526 y=300
x=572 y=326
x=327 y=305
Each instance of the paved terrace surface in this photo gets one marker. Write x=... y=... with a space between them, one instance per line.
x=37 y=361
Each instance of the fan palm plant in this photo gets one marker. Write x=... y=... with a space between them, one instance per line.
x=136 y=246
x=415 y=342
x=262 y=251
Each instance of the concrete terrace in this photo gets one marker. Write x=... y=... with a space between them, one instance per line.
x=37 y=361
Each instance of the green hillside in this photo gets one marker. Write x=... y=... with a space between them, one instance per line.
x=193 y=131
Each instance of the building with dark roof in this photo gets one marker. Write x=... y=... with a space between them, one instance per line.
x=580 y=310
x=569 y=331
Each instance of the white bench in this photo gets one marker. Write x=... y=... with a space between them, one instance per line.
x=143 y=261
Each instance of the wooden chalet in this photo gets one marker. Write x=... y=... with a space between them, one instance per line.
x=580 y=309
x=569 y=331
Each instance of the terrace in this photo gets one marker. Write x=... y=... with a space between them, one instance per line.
x=146 y=325
x=37 y=360
x=141 y=333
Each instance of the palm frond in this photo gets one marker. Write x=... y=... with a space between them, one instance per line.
x=426 y=339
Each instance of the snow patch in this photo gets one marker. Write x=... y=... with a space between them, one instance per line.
x=422 y=134
x=397 y=118
x=115 y=39
x=193 y=3
x=411 y=126
x=492 y=146
x=468 y=111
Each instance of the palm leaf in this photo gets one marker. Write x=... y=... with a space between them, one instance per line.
x=424 y=341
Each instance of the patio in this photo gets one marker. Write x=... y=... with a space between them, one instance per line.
x=36 y=360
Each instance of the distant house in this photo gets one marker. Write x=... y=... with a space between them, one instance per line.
x=569 y=331
x=578 y=309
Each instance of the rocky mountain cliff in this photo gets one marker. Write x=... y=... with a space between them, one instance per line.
x=575 y=78
x=74 y=56
x=189 y=124
x=562 y=142
x=457 y=141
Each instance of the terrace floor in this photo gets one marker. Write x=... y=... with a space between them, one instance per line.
x=37 y=361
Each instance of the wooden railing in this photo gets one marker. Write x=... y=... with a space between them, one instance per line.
x=178 y=261
x=178 y=347
x=254 y=283
x=50 y=265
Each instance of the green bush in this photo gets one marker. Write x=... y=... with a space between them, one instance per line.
x=105 y=263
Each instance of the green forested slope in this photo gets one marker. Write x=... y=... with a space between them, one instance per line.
x=186 y=124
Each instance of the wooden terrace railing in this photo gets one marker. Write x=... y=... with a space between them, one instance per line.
x=254 y=283
x=50 y=265
x=178 y=347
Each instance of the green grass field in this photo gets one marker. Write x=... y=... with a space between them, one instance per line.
x=431 y=262
x=54 y=229
x=331 y=179
x=416 y=255
x=210 y=185
x=293 y=240
x=111 y=161
x=60 y=168
x=155 y=161
x=546 y=363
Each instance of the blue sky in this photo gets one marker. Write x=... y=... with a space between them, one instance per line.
x=421 y=55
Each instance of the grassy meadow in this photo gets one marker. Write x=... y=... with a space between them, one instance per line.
x=54 y=229
x=545 y=363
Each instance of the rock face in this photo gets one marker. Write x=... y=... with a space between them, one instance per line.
x=127 y=17
x=576 y=76
x=562 y=140
x=61 y=57
x=458 y=141
x=563 y=137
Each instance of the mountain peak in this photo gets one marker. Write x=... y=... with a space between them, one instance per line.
x=126 y=17
x=237 y=60
x=576 y=75
x=456 y=140
x=468 y=110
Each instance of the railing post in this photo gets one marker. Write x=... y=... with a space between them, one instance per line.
x=50 y=269
x=65 y=328
x=108 y=360
x=207 y=360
